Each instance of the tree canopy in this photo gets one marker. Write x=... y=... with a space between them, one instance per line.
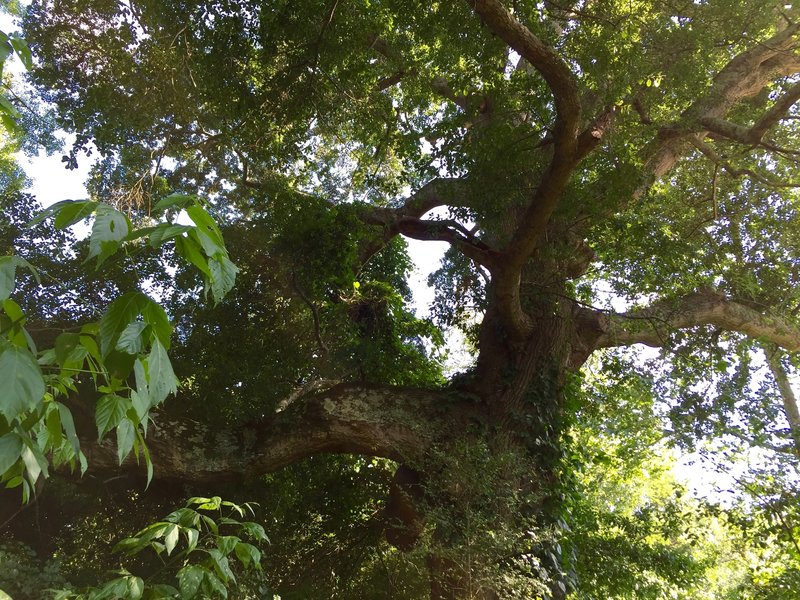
x=606 y=175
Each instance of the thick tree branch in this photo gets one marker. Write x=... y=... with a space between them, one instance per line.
x=744 y=76
x=654 y=324
x=741 y=134
x=396 y=423
x=774 y=355
x=560 y=79
x=542 y=57
x=778 y=111
x=406 y=220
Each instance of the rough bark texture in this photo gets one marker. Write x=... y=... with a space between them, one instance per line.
x=396 y=423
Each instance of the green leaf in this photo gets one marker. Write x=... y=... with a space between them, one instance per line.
x=155 y=316
x=176 y=200
x=162 y=380
x=109 y=229
x=126 y=434
x=162 y=590
x=167 y=231
x=247 y=554
x=69 y=350
x=135 y=587
x=122 y=312
x=215 y=585
x=10 y=449
x=226 y=543
x=171 y=536
x=192 y=537
x=73 y=211
x=223 y=276
x=130 y=340
x=255 y=531
x=22 y=51
x=205 y=224
x=35 y=462
x=189 y=580
x=141 y=404
x=109 y=412
x=53 y=425
x=69 y=427
x=23 y=386
x=190 y=249
x=8 y=266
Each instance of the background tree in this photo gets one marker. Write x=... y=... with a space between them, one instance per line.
x=605 y=174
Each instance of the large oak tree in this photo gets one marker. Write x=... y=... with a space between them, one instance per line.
x=605 y=173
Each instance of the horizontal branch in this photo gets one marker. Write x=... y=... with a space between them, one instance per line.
x=653 y=325
x=745 y=75
x=395 y=423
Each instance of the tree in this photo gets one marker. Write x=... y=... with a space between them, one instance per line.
x=564 y=152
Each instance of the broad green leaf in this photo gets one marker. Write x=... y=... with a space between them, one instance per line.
x=141 y=404
x=171 y=536
x=8 y=267
x=126 y=434
x=109 y=229
x=205 y=224
x=162 y=590
x=9 y=109
x=69 y=350
x=73 y=211
x=116 y=589
x=22 y=51
x=212 y=503
x=130 y=340
x=209 y=245
x=135 y=587
x=122 y=312
x=155 y=316
x=69 y=427
x=247 y=554
x=176 y=200
x=221 y=565
x=214 y=585
x=48 y=212
x=192 y=537
x=110 y=411
x=167 y=231
x=34 y=460
x=223 y=276
x=53 y=426
x=162 y=380
x=119 y=364
x=190 y=249
x=22 y=383
x=255 y=531
x=10 y=449
x=226 y=543
x=189 y=579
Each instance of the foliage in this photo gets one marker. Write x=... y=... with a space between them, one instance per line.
x=24 y=575
x=203 y=537
x=131 y=338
